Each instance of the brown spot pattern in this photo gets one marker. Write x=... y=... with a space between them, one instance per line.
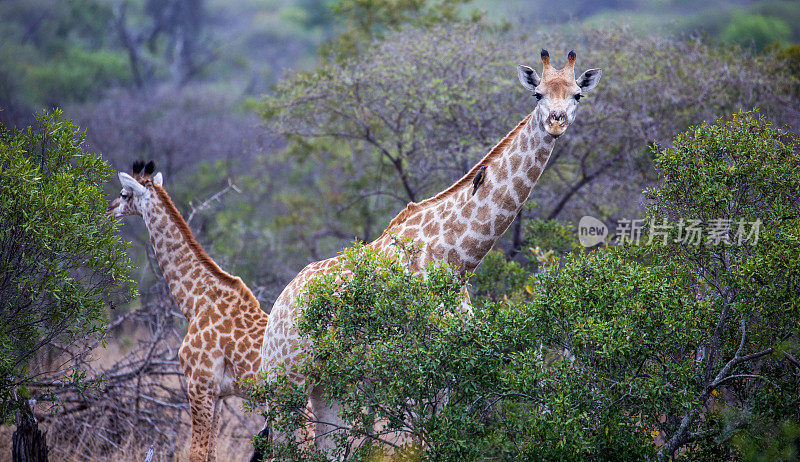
x=213 y=301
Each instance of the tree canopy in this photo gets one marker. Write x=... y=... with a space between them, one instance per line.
x=416 y=109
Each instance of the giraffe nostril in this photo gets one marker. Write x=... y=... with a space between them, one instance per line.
x=558 y=116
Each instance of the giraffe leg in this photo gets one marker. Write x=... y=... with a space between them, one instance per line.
x=213 y=436
x=201 y=403
x=327 y=421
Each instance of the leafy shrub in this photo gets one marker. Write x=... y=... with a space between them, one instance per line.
x=624 y=353
x=736 y=171
x=498 y=277
x=60 y=259
x=387 y=346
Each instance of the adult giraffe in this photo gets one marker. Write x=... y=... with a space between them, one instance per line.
x=459 y=225
x=226 y=323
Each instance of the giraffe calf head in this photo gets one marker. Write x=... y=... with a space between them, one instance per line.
x=557 y=91
x=136 y=190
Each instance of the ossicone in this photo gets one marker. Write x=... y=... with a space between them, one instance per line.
x=138 y=166
x=571 y=58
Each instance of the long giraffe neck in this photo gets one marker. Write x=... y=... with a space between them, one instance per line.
x=460 y=228
x=189 y=271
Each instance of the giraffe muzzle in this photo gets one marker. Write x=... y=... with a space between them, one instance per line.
x=113 y=206
x=556 y=123
x=559 y=117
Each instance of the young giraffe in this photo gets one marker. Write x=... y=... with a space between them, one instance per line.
x=459 y=225
x=226 y=323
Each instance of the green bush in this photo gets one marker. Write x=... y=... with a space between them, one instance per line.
x=497 y=277
x=551 y=235
x=617 y=335
x=790 y=56
x=625 y=353
x=61 y=262
x=566 y=376
x=728 y=176
x=378 y=336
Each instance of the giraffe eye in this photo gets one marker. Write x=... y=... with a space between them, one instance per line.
x=537 y=95
x=578 y=97
x=123 y=194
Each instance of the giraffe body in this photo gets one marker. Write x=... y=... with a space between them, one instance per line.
x=459 y=225
x=226 y=323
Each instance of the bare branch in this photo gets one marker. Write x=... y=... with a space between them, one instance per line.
x=216 y=197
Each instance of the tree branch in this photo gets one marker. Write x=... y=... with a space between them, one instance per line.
x=214 y=197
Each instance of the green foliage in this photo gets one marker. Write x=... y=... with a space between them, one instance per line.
x=737 y=171
x=748 y=24
x=61 y=261
x=618 y=334
x=364 y=322
x=497 y=277
x=756 y=31
x=773 y=443
x=741 y=165
x=504 y=383
x=366 y=20
x=53 y=26
x=786 y=10
x=58 y=52
x=76 y=74
x=790 y=57
x=551 y=235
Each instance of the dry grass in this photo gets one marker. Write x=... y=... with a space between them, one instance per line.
x=142 y=401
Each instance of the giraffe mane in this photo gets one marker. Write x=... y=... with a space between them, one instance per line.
x=231 y=281
x=494 y=153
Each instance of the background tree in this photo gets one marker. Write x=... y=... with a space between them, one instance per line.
x=415 y=110
x=174 y=31
x=363 y=21
x=61 y=263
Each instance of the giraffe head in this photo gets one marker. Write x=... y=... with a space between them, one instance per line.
x=557 y=91
x=137 y=190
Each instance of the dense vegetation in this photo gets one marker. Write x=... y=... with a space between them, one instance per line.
x=61 y=262
x=330 y=115
x=622 y=353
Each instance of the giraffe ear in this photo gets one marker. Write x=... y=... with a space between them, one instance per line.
x=589 y=79
x=128 y=182
x=528 y=77
x=158 y=180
